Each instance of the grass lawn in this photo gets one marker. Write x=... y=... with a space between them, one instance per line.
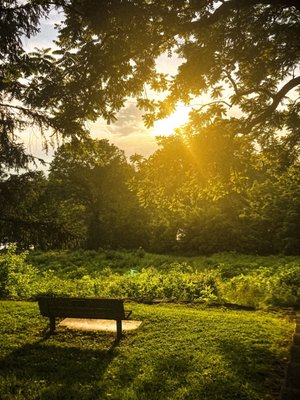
x=180 y=352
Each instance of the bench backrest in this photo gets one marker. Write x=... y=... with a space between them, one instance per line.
x=81 y=308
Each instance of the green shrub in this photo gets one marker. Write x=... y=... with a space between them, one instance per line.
x=248 y=290
x=264 y=287
x=286 y=288
x=172 y=284
x=18 y=279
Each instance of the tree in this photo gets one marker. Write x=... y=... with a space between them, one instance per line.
x=196 y=184
x=60 y=90
x=16 y=69
x=214 y=191
x=94 y=174
x=273 y=213
x=243 y=53
x=31 y=216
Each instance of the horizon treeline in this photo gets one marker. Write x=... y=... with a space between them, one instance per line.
x=203 y=191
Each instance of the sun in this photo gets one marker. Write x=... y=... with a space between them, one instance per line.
x=166 y=127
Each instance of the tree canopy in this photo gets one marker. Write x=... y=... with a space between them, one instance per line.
x=243 y=54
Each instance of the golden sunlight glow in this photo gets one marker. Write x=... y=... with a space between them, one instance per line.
x=165 y=127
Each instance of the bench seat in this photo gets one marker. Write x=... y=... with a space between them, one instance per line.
x=75 y=307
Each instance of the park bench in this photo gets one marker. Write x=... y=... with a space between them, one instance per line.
x=72 y=307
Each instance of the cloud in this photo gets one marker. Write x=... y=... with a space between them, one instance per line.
x=47 y=34
x=129 y=121
x=128 y=132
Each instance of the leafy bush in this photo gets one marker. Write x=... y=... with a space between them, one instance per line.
x=18 y=279
x=264 y=287
x=286 y=288
x=249 y=290
x=178 y=283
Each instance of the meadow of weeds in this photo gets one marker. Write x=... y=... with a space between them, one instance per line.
x=253 y=281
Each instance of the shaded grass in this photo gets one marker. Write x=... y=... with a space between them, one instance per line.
x=179 y=353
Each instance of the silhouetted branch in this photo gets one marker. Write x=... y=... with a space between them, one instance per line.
x=227 y=7
x=272 y=107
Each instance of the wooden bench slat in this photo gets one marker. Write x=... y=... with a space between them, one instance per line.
x=111 y=303
x=81 y=307
x=84 y=313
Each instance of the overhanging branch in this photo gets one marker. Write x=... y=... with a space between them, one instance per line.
x=239 y=93
x=227 y=7
x=277 y=98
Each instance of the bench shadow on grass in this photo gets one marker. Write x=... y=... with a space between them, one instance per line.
x=55 y=369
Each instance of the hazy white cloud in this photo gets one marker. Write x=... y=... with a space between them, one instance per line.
x=128 y=132
x=129 y=121
x=47 y=33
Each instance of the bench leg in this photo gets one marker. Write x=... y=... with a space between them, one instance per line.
x=119 y=329
x=52 y=324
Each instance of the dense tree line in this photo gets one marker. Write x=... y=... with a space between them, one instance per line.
x=84 y=202
x=194 y=194
x=215 y=191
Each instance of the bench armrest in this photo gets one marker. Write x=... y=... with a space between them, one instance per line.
x=128 y=313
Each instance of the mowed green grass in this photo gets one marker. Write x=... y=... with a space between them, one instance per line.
x=180 y=352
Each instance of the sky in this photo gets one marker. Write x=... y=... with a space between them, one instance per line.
x=128 y=132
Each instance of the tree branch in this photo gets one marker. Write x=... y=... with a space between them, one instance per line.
x=272 y=107
x=239 y=93
x=213 y=102
x=227 y=7
x=28 y=111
